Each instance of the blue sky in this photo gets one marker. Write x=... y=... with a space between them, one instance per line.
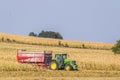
x=87 y=20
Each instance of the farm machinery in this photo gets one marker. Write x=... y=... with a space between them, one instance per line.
x=61 y=62
x=44 y=59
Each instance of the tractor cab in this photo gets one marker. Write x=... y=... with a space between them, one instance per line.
x=61 y=56
x=61 y=62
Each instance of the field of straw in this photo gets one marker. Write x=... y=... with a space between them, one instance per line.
x=98 y=64
x=4 y=37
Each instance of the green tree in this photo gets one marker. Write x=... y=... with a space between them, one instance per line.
x=58 y=35
x=32 y=34
x=50 y=34
x=116 y=48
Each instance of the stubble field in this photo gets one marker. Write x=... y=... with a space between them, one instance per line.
x=94 y=64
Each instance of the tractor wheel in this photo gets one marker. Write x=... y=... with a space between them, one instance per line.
x=53 y=65
x=68 y=67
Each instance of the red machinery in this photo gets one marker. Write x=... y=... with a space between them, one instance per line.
x=41 y=58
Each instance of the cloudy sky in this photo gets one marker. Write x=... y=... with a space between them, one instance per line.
x=87 y=20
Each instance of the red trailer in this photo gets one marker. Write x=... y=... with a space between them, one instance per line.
x=41 y=58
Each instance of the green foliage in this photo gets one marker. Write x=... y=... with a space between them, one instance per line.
x=47 y=34
x=116 y=48
x=50 y=34
x=32 y=34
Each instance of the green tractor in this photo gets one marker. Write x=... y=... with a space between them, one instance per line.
x=61 y=62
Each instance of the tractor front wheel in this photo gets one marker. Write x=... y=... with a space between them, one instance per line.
x=68 y=67
x=53 y=65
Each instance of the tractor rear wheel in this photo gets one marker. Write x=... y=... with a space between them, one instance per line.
x=68 y=67
x=53 y=65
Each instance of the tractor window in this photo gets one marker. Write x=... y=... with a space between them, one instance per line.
x=57 y=56
x=64 y=56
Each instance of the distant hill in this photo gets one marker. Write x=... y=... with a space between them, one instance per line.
x=14 y=38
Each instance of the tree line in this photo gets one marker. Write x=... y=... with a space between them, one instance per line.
x=47 y=34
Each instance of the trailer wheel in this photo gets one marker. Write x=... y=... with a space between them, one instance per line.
x=53 y=65
x=68 y=67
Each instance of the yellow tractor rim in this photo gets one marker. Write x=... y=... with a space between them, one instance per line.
x=67 y=68
x=53 y=65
